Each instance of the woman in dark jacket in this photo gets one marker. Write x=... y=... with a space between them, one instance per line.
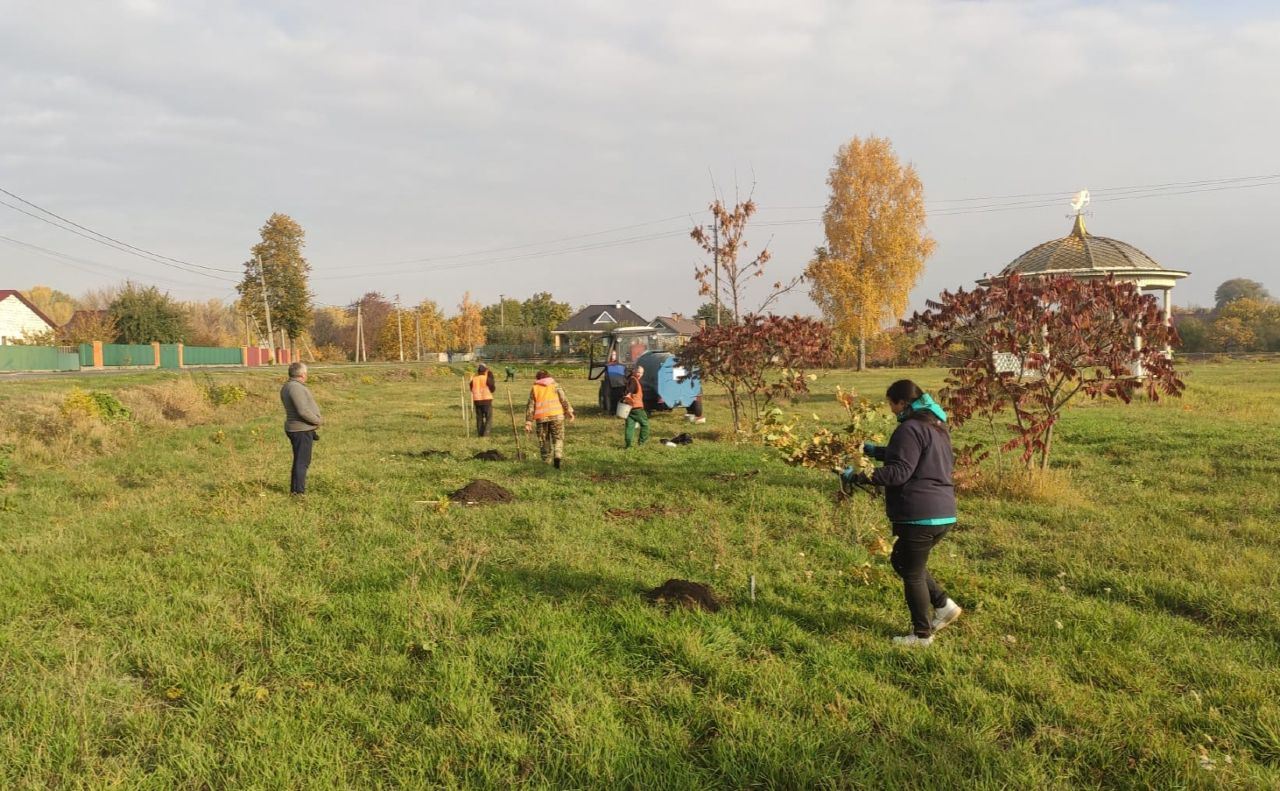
x=920 y=500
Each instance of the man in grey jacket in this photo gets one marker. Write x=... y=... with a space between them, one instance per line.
x=301 y=419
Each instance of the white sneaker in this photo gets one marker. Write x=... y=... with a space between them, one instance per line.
x=913 y=641
x=945 y=615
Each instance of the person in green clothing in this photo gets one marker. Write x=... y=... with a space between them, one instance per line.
x=920 y=499
x=511 y=374
x=633 y=396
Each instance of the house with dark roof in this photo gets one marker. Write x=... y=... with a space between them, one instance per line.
x=20 y=319
x=676 y=325
x=597 y=319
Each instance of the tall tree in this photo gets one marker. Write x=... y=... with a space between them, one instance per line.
x=876 y=241
x=1239 y=288
x=437 y=336
x=1240 y=325
x=505 y=313
x=707 y=312
x=543 y=311
x=726 y=278
x=374 y=311
x=468 y=325
x=213 y=323
x=52 y=303
x=147 y=315
x=284 y=273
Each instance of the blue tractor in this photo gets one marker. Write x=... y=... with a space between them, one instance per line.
x=666 y=383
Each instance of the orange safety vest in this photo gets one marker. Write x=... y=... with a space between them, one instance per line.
x=546 y=403
x=634 y=400
x=480 y=388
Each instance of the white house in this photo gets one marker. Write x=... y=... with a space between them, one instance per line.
x=19 y=318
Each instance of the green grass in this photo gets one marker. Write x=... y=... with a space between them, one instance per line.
x=169 y=618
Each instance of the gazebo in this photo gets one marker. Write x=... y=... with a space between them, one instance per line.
x=1080 y=254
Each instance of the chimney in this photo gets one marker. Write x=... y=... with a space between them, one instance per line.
x=628 y=304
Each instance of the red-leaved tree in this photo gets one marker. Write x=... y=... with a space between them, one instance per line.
x=759 y=359
x=1029 y=345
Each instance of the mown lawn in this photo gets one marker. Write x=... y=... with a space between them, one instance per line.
x=170 y=618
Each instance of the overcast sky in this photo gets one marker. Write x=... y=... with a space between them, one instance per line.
x=401 y=131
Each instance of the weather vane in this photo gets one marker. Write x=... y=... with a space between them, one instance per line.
x=1080 y=201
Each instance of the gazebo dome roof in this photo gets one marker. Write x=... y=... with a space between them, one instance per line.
x=1080 y=254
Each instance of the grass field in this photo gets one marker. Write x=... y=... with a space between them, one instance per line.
x=170 y=618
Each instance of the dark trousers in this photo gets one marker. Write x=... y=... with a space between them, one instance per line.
x=910 y=554
x=484 y=416
x=301 y=442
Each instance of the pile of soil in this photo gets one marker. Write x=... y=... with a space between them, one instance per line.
x=683 y=593
x=489 y=455
x=481 y=492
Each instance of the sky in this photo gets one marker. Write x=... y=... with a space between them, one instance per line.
x=431 y=149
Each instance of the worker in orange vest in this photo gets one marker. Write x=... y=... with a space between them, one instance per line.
x=482 y=388
x=634 y=398
x=548 y=407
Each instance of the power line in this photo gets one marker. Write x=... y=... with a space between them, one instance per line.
x=112 y=246
x=84 y=264
x=108 y=238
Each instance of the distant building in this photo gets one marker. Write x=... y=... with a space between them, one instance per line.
x=20 y=319
x=677 y=326
x=595 y=320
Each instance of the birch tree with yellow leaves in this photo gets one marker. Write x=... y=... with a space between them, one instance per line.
x=876 y=246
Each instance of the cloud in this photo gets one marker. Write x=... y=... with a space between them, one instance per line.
x=406 y=130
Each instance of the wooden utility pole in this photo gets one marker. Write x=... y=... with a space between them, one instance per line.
x=360 y=335
x=417 y=333
x=399 y=328
x=266 y=306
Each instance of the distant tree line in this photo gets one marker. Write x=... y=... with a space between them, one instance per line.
x=1244 y=318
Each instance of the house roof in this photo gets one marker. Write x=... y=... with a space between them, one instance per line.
x=598 y=318
x=677 y=324
x=5 y=293
x=1080 y=253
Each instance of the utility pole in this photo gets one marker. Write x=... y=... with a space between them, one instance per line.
x=502 y=310
x=359 y=350
x=417 y=333
x=266 y=306
x=715 y=231
x=399 y=328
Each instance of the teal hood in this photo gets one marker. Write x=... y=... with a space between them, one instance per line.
x=923 y=402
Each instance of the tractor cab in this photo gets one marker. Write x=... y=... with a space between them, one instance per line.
x=666 y=383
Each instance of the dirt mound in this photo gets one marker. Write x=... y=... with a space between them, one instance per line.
x=683 y=593
x=481 y=492
x=489 y=455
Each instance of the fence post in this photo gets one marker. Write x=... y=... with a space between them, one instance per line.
x=97 y=355
x=155 y=353
x=181 y=364
x=244 y=355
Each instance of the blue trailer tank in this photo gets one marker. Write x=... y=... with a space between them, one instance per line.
x=668 y=384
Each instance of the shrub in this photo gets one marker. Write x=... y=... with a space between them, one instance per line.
x=226 y=395
x=94 y=403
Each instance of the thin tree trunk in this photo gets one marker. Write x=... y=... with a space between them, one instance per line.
x=862 y=352
x=1044 y=452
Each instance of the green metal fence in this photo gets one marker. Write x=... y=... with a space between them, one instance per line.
x=169 y=355
x=127 y=354
x=210 y=355
x=37 y=358
x=86 y=355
